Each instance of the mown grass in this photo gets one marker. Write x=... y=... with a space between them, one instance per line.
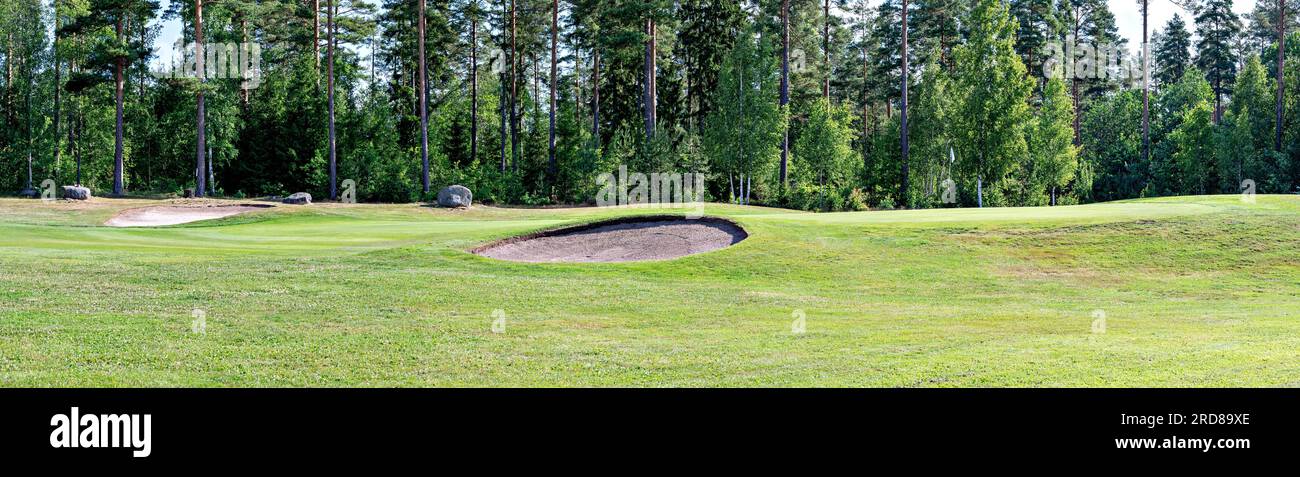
x=1201 y=291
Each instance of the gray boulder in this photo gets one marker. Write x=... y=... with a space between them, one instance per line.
x=298 y=198
x=455 y=196
x=76 y=193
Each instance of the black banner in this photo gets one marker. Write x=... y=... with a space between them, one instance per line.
x=160 y=427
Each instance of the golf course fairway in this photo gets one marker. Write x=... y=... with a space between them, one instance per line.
x=1192 y=291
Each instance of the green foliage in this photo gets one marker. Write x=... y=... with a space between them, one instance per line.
x=1217 y=28
x=882 y=168
x=975 y=92
x=742 y=134
x=1112 y=146
x=1171 y=56
x=1040 y=24
x=826 y=162
x=1053 y=158
x=992 y=109
x=1194 y=151
x=825 y=147
x=931 y=139
x=1253 y=99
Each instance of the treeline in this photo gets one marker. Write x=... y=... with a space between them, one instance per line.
x=797 y=103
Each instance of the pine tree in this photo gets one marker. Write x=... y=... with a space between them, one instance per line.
x=200 y=127
x=707 y=31
x=553 y=166
x=113 y=54
x=1172 y=52
x=886 y=39
x=903 y=134
x=354 y=18
x=937 y=24
x=423 y=85
x=1217 y=27
x=1261 y=27
x=1280 y=123
x=1040 y=24
x=470 y=19
x=1090 y=23
x=785 y=90
x=26 y=57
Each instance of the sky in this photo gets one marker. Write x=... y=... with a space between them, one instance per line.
x=1127 y=15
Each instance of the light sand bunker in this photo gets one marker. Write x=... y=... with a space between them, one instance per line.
x=623 y=240
x=173 y=215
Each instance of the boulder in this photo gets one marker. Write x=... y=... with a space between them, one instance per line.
x=76 y=193
x=29 y=193
x=298 y=198
x=455 y=196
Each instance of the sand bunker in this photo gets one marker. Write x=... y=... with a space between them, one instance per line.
x=173 y=215
x=623 y=240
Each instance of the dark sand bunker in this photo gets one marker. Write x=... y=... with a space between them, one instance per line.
x=173 y=215
x=623 y=240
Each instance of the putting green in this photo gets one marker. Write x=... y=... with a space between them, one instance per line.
x=1198 y=291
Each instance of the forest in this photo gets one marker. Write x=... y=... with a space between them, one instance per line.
x=826 y=105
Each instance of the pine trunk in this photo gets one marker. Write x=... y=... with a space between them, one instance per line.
x=118 y=84
x=501 y=103
x=58 y=106
x=1281 y=72
x=201 y=145
x=332 y=10
x=866 y=99
x=648 y=99
x=315 y=35
x=473 y=89
x=826 y=48
x=1146 y=85
x=595 y=98
x=1074 y=93
x=785 y=87
x=424 y=107
x=903 y=194
x=555 y=34
x=514 y=89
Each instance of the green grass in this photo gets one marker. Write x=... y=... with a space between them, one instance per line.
x=1201 y=291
